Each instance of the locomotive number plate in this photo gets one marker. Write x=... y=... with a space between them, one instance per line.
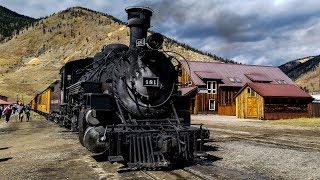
x=151 y=81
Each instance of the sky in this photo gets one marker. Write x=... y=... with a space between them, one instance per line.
x=264 y=32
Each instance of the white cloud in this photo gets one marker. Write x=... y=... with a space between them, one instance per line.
x=254 y=32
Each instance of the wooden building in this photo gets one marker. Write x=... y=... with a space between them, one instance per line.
x=272 y=101
x=4 y=98
x=218 y=83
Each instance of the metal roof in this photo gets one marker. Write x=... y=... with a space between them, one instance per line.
x=257 y=77
x=208 y=75
x=277 y=90
x=227 y=72
x=188 y=90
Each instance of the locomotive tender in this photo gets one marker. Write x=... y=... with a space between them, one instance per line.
x=125 y=101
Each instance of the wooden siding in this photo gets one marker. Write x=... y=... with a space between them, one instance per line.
x=224 y=98
x=227 y=100
x=314 y=109
x=285 y=115
x=249 y=105
x=201 y=103
x=228 y=110
x=184 y=78
x=44 y=100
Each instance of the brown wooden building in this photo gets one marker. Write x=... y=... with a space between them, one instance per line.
x=272 y=101
x=5 y=98
x=218 y=83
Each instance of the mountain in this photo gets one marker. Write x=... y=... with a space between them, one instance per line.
x=11 y=22
x=31 y=60
x=305 y=72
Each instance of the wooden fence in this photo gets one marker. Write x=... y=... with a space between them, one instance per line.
x=314 y=109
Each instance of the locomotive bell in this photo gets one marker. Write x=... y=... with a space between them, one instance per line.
x=139 y=23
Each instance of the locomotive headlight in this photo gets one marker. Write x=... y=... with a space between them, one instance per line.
x=155 y=41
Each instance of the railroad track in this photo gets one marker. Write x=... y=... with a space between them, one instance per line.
x=265 y=140
x=185 y=173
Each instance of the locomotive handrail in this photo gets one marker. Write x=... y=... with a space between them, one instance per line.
x=177 y=59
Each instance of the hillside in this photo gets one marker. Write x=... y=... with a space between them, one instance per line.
x=31 y=60
x=11 y=22
x=304 y=71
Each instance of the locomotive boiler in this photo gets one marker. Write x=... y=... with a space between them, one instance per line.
x=126 y=101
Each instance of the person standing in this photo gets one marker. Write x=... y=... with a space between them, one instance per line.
x=7 y=112
x=1 y=110
x=27 y=112
x=20 y=109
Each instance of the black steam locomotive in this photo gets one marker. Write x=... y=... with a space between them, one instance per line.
x=125 y=101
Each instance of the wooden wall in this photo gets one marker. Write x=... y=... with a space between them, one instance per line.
x=285 y=115
x=314 y=109
x=184 y=78
x=228 y=110
x=201 y=103
x=224 y=98
x=227 y=101
x=249 y=105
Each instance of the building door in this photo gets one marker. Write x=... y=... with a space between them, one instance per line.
x=252 y=107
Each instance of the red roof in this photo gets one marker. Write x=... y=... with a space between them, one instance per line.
x=277 y=90
x=257 y=77
x=2 y=102
x=228 y=72
x=208 y=75
x=188 y=90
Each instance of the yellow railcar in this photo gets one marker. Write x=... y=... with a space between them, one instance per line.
x=33 y=104
x=47 y=101
x=43 y=101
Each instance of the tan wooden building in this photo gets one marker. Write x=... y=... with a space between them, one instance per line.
x=218 y=83
x=272 y=101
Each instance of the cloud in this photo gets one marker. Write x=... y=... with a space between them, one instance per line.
x=254 y=32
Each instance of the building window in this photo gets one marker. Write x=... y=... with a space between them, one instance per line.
x=251 y=92
x=212 y=105
x=212 y=87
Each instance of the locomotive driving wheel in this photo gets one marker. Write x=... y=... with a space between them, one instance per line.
x=82 y=126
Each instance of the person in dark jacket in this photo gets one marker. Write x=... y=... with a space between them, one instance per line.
x=27 y=112
x=7 y=112
x=1 y=110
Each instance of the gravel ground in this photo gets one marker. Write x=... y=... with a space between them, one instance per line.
x=241 y=149
x=263 y=149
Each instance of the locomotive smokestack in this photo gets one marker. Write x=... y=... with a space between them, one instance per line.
x=138 y=22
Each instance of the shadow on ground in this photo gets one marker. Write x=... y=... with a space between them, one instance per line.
x=5 y=159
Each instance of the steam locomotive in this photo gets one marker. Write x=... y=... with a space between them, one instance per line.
x=126 y=102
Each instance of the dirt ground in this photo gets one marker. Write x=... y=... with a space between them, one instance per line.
x=263 y=148
x=240 y=149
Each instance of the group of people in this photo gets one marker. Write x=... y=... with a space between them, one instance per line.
x=21 y=109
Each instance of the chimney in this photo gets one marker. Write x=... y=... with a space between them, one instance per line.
x=139 y=23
